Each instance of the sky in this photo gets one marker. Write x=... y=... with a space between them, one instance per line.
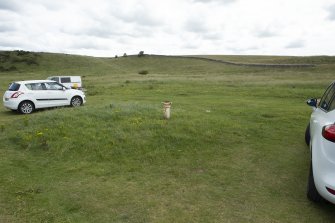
x=173 y=27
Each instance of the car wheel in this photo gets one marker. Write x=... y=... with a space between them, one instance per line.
x=312 y=193
x=76 y=101
x=26 y=107
x=307 y=135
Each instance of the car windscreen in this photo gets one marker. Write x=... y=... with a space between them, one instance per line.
x=14 y=87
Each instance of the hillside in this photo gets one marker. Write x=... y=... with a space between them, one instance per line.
x=233 y=150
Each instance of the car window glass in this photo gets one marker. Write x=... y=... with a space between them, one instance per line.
x=53 y=86
x=29 y=86
x=55 y=79
x=324 y=95
x=14 y=87
x=332 y=104
x=35 y=86
x=327 y=98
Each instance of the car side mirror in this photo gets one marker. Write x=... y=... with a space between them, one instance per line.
x=313 y=102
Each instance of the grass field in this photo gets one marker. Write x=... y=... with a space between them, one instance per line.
x=233 y=150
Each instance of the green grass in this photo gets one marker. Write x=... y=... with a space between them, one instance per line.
x=233 y=150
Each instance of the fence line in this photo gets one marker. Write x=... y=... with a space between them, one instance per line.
x=240 y=64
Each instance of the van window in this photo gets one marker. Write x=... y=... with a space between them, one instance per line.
x=65 y=80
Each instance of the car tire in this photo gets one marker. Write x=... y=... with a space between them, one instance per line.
x=307 y=135
x=312 y=193
x=26 y=107
x=76 y=101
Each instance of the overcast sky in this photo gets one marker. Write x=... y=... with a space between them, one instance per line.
x=114 y=27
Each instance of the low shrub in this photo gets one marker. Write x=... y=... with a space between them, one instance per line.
x=10 y=68
x=143 y=72
x=141 y=54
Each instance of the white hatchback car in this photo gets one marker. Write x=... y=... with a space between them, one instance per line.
x=26 y=96
x=320 y=136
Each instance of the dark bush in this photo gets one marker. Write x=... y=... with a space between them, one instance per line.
x=12 y=68
x=14 y=58
x=141 y=54
x=18 y=56
x=143 y=72
x=21 y=52
x=31 y=61
x=4 y=56
x=4 y=69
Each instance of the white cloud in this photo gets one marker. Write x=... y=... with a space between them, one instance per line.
x=196 y=25
x=295 y=44
x=8 y=5
x=109 y=27
x=218 y=1
x=266 y=32
x=331 y=11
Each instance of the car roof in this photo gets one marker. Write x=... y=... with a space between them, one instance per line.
x=33 y=81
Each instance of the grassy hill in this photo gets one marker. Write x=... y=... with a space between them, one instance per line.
x=233 y=150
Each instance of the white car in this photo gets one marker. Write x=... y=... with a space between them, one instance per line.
x=320 y=136
x=26 y=96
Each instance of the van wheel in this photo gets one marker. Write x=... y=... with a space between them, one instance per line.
x=26 y=107
x=312 y=193
x=76 y=101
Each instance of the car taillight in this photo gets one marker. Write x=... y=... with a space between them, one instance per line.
x=332 y=191
x=328 y=132
x=16 y=94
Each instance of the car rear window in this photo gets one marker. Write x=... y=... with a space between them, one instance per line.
x=14 y=87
